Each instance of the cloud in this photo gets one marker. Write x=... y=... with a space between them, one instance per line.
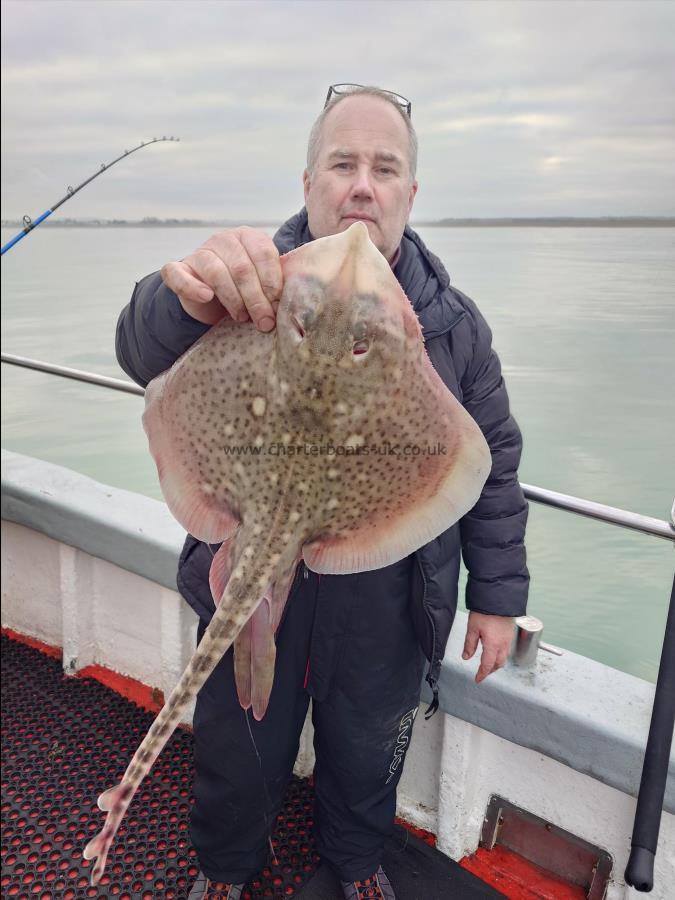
x=551 y=164
x=507 y=97
x=532 y=120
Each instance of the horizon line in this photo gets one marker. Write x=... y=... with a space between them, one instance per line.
x=155 y=221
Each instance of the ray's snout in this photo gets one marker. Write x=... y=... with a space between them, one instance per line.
x=341 y=300
x=343 y=264
x=361 y=265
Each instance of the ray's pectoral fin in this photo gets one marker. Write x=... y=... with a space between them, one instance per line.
x=190 y=501
x=433 y=491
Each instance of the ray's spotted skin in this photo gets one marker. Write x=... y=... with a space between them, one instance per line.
x=311 y=442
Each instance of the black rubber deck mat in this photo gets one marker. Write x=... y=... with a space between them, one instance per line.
x=416 y=872
x=65 y=740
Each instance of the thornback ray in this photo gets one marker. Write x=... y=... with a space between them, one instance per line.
x=331 y=439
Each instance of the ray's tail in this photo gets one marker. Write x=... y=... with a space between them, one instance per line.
x=243 y=591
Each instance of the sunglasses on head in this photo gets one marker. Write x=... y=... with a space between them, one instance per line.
x=340 y=89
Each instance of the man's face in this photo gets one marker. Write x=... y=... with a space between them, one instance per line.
x=362 y=173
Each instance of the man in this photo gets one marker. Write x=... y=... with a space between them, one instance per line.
x=351 y=642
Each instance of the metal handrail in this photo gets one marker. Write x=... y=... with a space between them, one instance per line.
x=592 y=510
x=611 y=514
x=117 y=384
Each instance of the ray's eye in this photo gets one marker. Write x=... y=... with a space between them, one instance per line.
x=300 y=331
x=360 y=347
x=360 y=331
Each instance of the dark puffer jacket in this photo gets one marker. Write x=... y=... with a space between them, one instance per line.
x=153 y=331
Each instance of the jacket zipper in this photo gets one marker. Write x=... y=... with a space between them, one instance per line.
x=430 y=681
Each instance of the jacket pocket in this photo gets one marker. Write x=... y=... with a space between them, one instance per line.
x=193 y=577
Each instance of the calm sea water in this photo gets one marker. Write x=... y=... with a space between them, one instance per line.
x=583 y=321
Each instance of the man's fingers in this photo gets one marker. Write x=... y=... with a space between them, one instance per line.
x=496 y=635
x=253 y=267
x=487 y=663
x=237 y=270
x=491 y=661
x=181 y=279
x=470 y=644
x=502 y=659
x=215 y=272
x=245 y=277
x=265 y=256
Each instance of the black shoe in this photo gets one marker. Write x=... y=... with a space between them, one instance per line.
x=377 y=887
x=205 y=889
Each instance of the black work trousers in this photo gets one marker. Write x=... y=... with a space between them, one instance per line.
x=348 y=643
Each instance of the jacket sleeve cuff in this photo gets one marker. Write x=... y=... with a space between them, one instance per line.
x=153 y=330
x=502 y=597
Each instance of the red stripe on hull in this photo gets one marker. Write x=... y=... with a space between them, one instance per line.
x=517 y=878
x=427 y=836
x=148 y=698
x=54 y=652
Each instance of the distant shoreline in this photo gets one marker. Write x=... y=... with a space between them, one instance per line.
x=514 y=222
x=556 y=222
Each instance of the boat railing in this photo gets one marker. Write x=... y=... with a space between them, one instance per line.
x=613 y=515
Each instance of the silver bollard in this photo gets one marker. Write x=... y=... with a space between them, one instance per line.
x=526 y=640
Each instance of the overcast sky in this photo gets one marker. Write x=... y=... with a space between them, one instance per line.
x=522 y=108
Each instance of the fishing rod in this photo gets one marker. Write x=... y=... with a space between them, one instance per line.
x=639 y=871
x=29 y=225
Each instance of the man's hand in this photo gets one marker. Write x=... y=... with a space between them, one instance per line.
x=236 y=272
x=496 y=635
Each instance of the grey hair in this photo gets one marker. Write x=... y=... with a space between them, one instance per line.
x=315 y=133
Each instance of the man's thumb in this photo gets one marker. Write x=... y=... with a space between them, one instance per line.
x=470 y=644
